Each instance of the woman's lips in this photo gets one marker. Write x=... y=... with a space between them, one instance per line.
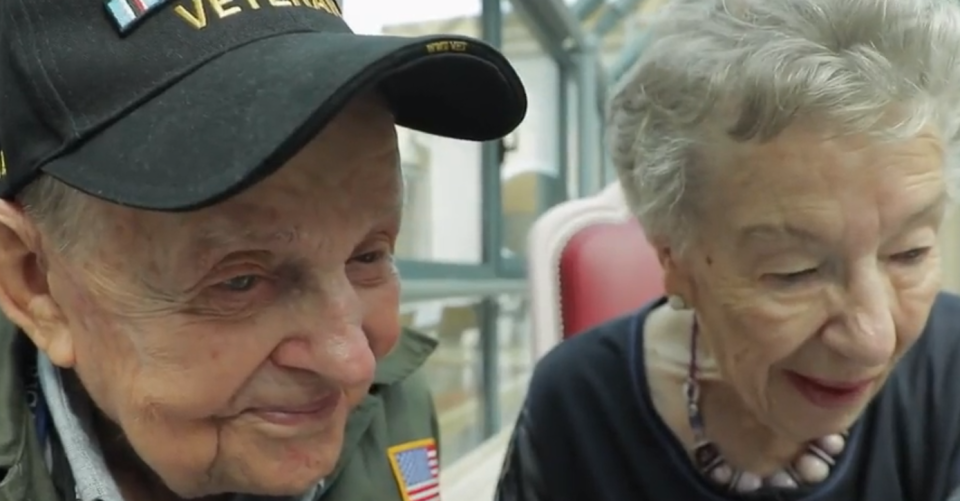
x=830 y=394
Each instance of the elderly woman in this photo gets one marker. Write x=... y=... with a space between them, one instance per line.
x=200 y=202
x=789 y=160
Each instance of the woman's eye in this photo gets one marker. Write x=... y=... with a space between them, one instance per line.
x=795 y=276
x=240 y=283
x=911 y=256
x=368 y=257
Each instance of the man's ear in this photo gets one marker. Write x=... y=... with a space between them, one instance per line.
x=24 y=289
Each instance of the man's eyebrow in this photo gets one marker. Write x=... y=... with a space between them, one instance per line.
x=229 y=235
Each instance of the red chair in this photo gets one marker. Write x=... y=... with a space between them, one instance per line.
x=589 y=262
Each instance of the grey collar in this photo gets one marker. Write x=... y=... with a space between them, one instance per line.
x=72 y=419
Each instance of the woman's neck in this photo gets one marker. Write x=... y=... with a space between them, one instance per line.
x=744 y=441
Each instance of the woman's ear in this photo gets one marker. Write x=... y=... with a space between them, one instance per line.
x=676 y=276
x=24 y=289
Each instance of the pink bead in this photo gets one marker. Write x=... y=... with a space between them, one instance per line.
x=811 y=469
x=748 y=482
x=782 y=480
x=832 y=444
x=721 y=474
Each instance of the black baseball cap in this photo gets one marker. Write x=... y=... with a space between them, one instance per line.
x=178 y=104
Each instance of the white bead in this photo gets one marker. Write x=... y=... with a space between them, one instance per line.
x=721 y=474
x=748 y=482
x=811 y=469
x=832 y=444
x=676 y=302
x=782 y=480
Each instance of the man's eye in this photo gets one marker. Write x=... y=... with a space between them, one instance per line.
x=240 y=283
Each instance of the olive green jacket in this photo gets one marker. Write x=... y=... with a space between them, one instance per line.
x=398 y=411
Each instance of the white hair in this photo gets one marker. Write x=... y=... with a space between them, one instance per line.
x=748 y=68
x=56 y=209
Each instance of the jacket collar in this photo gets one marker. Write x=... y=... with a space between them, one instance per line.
x=23 y=473
x=409 y=355
x=13 y=403
x=411 y=352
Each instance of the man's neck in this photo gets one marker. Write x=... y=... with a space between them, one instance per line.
x=137 y=482
x=743 y=440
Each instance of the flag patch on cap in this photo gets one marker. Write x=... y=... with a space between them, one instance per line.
x=127 y=13
x=417 y=470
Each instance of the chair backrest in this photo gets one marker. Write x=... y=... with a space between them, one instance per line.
x=589 y=262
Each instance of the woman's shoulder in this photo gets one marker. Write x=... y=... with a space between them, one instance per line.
x=602 y=348
x=594 y=368
x=937 y=353
x=930 y=369
x=920 y=406
x=943 y=318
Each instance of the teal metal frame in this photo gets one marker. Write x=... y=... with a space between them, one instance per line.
x=558 y=29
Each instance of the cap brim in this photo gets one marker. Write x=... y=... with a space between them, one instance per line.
x=241 y=116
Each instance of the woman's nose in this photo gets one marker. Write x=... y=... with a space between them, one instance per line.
x=867 y=333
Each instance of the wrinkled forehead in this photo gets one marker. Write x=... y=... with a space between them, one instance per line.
x=287 y=222
x=802 y=186
x=285 y=211
x=302 y=203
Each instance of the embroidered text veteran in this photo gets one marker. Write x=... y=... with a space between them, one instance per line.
x=198 y=13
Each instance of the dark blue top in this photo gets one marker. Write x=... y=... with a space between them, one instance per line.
x=598 y=437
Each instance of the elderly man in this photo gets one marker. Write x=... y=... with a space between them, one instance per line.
x=200 y=203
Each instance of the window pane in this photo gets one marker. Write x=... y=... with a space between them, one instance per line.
x=442 y=216
x=442 y=220
x=573 y=137
x=950 y=249
x=530 y=172
x=454 y=371
x=373 y=17
x=516 y=354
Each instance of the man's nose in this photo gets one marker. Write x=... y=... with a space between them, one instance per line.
x=329 y=340
x=867 y=333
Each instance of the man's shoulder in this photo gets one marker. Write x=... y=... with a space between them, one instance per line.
x=402 y=387
x=407 y=357
x=410 y=393
x=396 y=417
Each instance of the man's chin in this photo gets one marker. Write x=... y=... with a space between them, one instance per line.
x=284 y=487
x=291 y=477
x=279 y=478
x=270 y=487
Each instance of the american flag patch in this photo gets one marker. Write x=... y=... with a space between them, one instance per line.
x=127 y=13
x=417 y=469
